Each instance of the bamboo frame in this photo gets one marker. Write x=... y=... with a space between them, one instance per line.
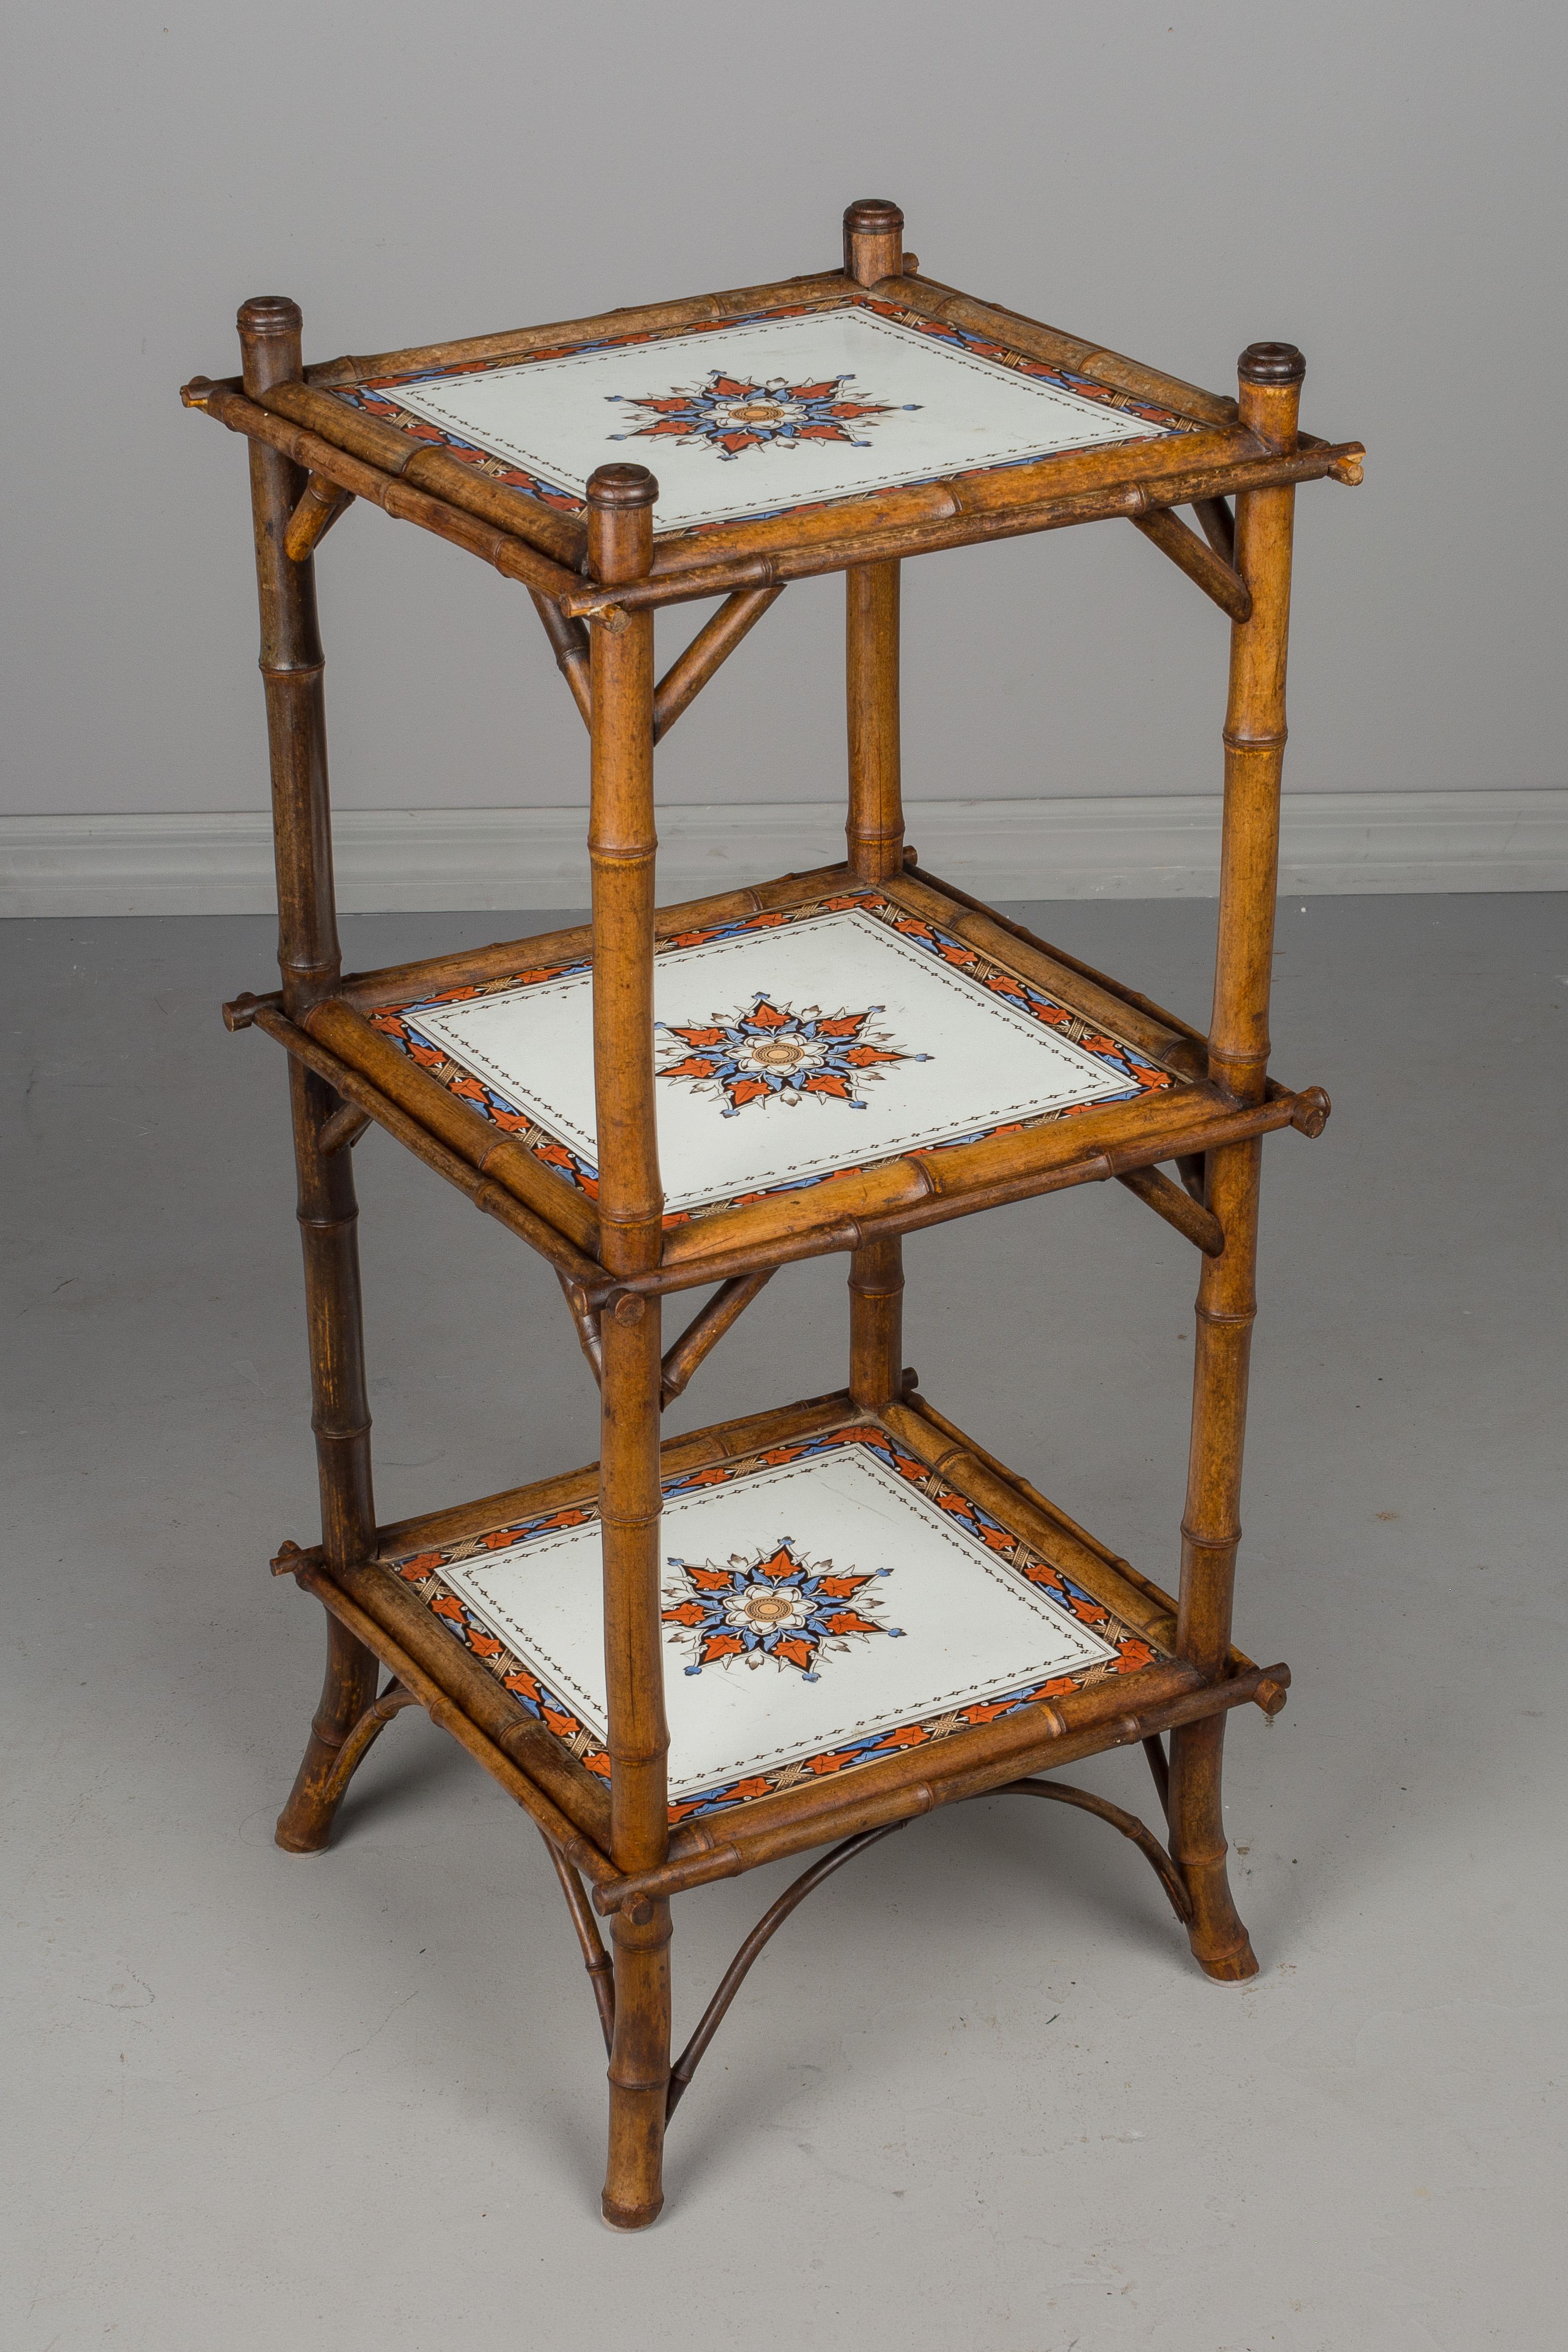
x=596 y=581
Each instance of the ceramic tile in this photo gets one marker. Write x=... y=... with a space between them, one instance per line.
x=827 y=1601
x=785 y=1050
x=765 y=414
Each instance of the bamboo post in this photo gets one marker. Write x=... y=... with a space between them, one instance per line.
x=310 y=961
x=622 y=846
x=1270 y=382
x=876 y=1323
x=876 y=823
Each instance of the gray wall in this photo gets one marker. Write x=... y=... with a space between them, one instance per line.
x=1381 y=185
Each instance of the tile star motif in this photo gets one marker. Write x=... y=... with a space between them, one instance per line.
x=775 y=1606
x=768 y=1053
x=729 y=416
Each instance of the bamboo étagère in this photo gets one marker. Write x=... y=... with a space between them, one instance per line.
x=696 y=1096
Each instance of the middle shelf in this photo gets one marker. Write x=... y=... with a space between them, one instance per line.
x=833 y=1058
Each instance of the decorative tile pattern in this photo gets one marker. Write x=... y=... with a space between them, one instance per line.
x=779 y=1606
x=976 y=1049
x=943 y=401
x=730 y=417
x=768 y=1052
x=987 y=1624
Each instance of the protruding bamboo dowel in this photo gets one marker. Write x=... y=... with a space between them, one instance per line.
x=321 y=504
x=1270 y=379
x=873 y=240
x=1189 y=554
x=622 y=846
x=686 y=676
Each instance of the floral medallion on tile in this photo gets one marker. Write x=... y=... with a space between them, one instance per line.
x=729 y=416
x=768 y=1053
x=775 y=1606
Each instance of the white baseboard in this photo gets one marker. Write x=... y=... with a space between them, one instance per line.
x=405 y=860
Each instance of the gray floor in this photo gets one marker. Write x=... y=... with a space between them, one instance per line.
x=976 y=2095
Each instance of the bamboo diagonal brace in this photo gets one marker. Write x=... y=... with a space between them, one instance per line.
x=512 y=557
x=569 y=642
x=1218 y=527
x=321 y=504
x=1188 y=552
x=705 y=1330
x=713 y=644
x=1178 y=1208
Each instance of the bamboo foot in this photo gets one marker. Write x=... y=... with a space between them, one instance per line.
x=1220 y=1943
x=305 y=1825
x=639 y=2069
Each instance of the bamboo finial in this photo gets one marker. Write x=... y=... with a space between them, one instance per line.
x=270 y=325
x=620 y=522
x=1271 y=364
x=873 y=240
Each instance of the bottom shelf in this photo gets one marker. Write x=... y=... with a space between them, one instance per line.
x=845 y=1594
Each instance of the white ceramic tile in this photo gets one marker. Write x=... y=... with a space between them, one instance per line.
x=969 y=1626
x=940 y=410
x=984 y=1063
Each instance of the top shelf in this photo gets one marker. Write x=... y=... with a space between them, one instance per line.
x=800 y=426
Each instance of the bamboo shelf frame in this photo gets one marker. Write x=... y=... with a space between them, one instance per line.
x=597 y=570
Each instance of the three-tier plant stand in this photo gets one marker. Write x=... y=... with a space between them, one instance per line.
x=800 y=1629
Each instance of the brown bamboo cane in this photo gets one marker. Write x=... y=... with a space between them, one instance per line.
x=1193 y=556
x=321 y=504
x=712 y=646
x=622 y=848
x=310 y=961
x=873 y=240
x=705 y=1330
x=1270 y=381
x=876 y=823
x=1218 y=527
x=569 y=643
x=977 y=522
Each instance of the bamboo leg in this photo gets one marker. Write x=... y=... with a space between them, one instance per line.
x=309 y=962
x=622 y=848
x=1239 y=1058
x=876 y=1323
